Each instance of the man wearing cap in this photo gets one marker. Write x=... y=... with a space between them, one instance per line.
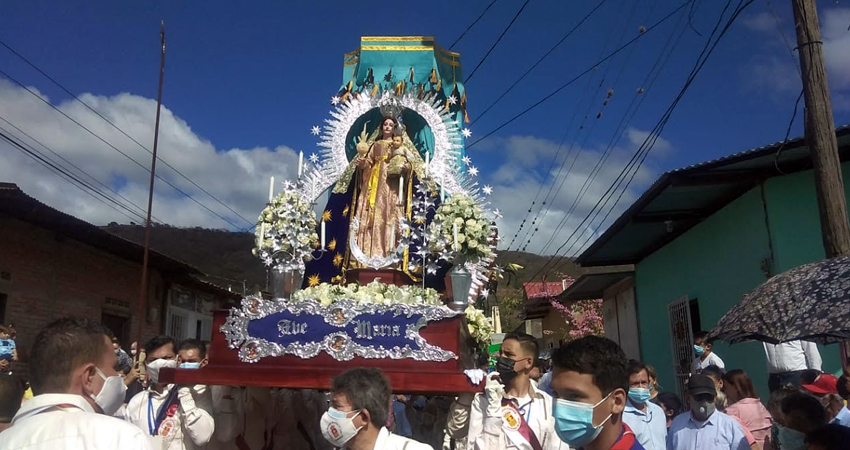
x=704 y=428
x=825 y=388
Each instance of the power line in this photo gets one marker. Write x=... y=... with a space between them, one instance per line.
x=640 y=155
x=497 y=40
x=54 y=81
x=103 y=185
x=583 y=73
x=71 y=178
x=545 y=55
x=116 y=148
x=472 y=24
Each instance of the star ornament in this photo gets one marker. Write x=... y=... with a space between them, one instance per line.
x=315 y=130
x=473 y=171
x=466 y=132
x=314 y=158
x=467 y=160
x=452 y=99
x=335 y=100
x=487 y=189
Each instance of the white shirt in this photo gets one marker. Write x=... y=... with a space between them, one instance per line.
x=712 y=360
x=650 y=427
x=68 y=422
x=492 y=433
x=792 y=356
x=389 y=441
x=191 y=427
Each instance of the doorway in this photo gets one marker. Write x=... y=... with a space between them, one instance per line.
x=119 y=325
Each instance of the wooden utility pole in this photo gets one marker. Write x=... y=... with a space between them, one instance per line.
x=820 y=132
x=143 y=292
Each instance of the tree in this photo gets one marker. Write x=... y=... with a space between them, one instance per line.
x=584 y=316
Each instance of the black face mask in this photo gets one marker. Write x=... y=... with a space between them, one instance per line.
x=505 y=367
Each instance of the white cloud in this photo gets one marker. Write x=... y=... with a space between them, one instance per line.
x=517 y=181
x=836 y=45
x=761 y=21
x=238 y=177
x=775 y=70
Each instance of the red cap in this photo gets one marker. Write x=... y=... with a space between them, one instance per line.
x=824 y=384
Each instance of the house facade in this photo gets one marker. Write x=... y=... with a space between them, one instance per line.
x=54 y=265
x=539 y=318
x=703 y=236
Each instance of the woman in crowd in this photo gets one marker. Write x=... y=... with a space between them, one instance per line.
x=745 y=405
x=653 y=382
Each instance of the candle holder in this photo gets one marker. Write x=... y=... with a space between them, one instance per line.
x=461 y=279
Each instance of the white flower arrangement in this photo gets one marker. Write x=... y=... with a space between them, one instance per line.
x=461 y=213
x=479 y=325
x=374 y=292
x=286 y=232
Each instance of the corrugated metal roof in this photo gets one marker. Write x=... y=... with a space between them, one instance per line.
x=683 y=197
x=15 y=203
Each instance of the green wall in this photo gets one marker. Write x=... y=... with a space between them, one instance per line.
x=719 y=260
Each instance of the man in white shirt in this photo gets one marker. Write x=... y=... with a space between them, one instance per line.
x=360 y=402
x=705 y=357
x=72 y=373
x=788 y=360
x=512 y=412
x=646 y=419
x=175 y=417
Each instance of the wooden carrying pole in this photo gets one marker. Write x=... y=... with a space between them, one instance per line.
x=820 y=132
x=143 y=291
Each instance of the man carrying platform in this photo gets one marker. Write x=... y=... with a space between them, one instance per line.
x=511 y=413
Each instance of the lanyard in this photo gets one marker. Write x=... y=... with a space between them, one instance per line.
x=526 y=413
x=152 y=425
x=155 y=419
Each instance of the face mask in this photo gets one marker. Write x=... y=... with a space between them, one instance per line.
x=574 y=421
x=153 y=368
x=111 y=395
x=190 y=365
x=337 y=427
x=699 y=350
x=505 y=367
x=791 y=439
x=133 y=352
x=639 y=395
x=702 y=410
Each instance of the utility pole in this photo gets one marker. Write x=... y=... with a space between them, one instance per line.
x=143 y=292
x=820 y=132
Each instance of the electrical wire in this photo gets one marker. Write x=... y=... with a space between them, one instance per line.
x=540 y=60
x=577 y=77
x=67 y=91
x=116 y=148
x=472 y=24
x=492 y=47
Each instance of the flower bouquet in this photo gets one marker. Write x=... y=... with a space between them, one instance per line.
x=286 y=232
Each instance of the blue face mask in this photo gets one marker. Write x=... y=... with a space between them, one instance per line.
x=574 y=421
x=699 y=350
x=190 y=365
x=639 y=395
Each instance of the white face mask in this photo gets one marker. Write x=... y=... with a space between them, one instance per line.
x=153 y=368
x=133 y=351
x=337 y=427
x=111 y=395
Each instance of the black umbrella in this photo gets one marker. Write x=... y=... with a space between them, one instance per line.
x=809 y=302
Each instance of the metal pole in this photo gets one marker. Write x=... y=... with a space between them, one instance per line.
x=143 y=292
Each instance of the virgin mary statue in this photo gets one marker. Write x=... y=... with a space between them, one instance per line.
x=373 y=194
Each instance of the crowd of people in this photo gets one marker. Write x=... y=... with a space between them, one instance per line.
x=91 y=394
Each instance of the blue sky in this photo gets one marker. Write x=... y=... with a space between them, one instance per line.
x=245 y=83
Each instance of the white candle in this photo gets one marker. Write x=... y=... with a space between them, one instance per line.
x=262 y=235
x=300 y=162
x=392 y=238
x=427 y=162
x=323 y=234
x=271 y=189
x=442 y=195
x=457 y=245
x=401 y=189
